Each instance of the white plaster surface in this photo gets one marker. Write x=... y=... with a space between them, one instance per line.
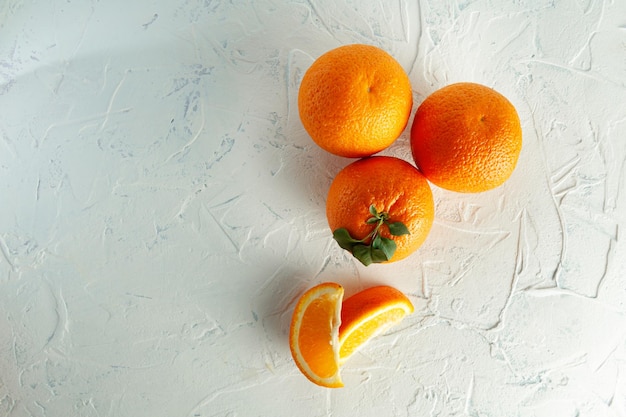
x=161 y=208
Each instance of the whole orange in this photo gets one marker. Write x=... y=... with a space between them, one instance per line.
x=466 y=137
x=380 y=209
x=355 y=100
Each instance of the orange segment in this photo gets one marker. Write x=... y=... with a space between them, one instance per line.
x=369 y=313
x=314 y=334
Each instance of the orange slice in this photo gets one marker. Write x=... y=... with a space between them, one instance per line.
x=367 y=314
x=314 y=334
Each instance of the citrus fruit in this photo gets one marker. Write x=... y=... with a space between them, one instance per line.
x=369 y=313
x=355 y=100
x=314 y=334
x=466 y=137
x=326 y=330
x=380 y=209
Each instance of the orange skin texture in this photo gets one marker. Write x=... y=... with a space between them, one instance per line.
x=355 y=100
x=466 y=137
x=393 y=186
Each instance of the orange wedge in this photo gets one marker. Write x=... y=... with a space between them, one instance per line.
x=314 y=334
x=367 y=314
x=325 y=330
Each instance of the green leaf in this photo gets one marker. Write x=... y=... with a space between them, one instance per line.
x=363 y=253
x=378 y=256
x=379 y=249
x=398 y=229
x=388 y=247
x=342 y=236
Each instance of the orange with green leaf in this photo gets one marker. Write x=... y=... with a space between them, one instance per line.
x=380 y=209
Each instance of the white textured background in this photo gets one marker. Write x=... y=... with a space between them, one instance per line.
x=161 y=207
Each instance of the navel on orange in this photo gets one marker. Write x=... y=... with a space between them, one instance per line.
x=314 y=334
x=355 y=100
x=466 y=137
x=381 y=209
x=369 y=313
